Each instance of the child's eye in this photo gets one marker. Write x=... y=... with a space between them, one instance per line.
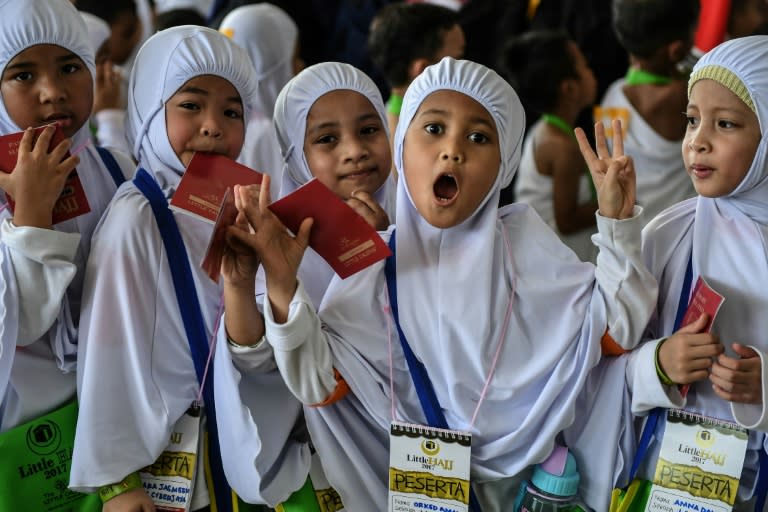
x=434 y=129
x=23 y=76
x=326 y=139
x=478 y=138
x=68 y=69
x=691 y=121
x=369 y=130
x=188 y=105
x=724 y=123
x=233 y=114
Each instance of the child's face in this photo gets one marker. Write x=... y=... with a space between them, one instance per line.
x=586 y=82
x=205 y=114
x=451 y=157
x=47 y=83
x=345 y=145
x=126 y=31
x=721 y=139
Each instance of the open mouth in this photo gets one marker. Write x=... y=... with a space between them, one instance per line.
x=445 y=189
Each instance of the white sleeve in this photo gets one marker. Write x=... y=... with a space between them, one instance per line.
x=753 y=416
x=646 y=389
x=42 y=264
x=110 y=129
x=301 y=349
x=628 y=289
x=256 y=414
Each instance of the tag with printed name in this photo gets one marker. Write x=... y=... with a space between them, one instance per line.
x=169 y=481
x=699 y=465
x=428 y=469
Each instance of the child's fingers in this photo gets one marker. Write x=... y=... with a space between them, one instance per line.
x=618 y=139
x=302 y=237
x=586 y=150
x=58 y=153
x=264 y=198
x=743 y=351
x=696 y=326
x=601 y=144
x=44 y=140
x=27 y=140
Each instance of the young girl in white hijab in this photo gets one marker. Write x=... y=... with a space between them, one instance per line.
x=330 y=122
x=271 y=39
x=47 y=76
x=189 y=91
x=719 y=236
x=497 y=310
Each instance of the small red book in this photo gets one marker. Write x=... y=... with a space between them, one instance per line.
x=211 y=263
x=204 y=183
x=703 y=300
x=72 y=202
x=339 y=234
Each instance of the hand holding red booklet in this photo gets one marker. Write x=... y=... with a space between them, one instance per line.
x=211 y=263
x=72 y=202
x=703 y=300
x=339 y=234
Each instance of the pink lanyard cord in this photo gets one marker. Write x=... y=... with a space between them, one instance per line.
x=212 y=345
x=510 y=304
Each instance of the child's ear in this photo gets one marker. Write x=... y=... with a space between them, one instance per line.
x=677 y=50
x=416 y=67
x=568 y=89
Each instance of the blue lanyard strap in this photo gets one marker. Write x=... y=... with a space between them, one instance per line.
x=653 y=416
x=424 y=389
x=194 y=326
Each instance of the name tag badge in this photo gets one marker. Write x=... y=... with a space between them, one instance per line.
x=428 y=469
x=169 y=481
x=699 y=464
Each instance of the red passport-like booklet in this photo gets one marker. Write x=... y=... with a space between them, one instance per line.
x=703 y=300
x=72 y=202
x=211 y=263
x=204 y=183
x=339 y=234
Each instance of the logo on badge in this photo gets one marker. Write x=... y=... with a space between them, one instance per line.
x=705 y=438
x=430 y=447
x=44 y=438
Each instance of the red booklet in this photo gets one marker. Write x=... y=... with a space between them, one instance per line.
x=72 y=202
x=211 y=263
x=703 y=300
x=208 y=176
x=341 y=236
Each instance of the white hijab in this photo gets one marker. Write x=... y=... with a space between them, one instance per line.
x=453 y=288
x=269 y=36
x=164 y=63
x=291 y=111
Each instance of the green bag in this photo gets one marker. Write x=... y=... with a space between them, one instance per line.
x=35 y=462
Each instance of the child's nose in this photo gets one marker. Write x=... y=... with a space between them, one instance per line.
x=211 y=128
x=452 y=152
x=51 y=90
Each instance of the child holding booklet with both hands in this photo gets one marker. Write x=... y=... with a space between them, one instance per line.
x=503 y=319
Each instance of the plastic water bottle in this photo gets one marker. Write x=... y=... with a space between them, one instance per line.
x=554 y=486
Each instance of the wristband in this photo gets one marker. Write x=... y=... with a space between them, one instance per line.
x=663 y=377
x=129 y=483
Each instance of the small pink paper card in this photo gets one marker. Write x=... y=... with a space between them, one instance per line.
x=341 y=236
x=211 y=263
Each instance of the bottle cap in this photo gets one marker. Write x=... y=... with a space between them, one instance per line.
x=557 y=475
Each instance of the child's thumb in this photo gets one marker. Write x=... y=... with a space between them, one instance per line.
x=302 y=237
x=697 y=325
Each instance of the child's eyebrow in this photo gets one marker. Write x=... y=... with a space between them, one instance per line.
x=369 y=116
x=472 y=120
x=203 y=92
x=323 y=126
x=31 y=64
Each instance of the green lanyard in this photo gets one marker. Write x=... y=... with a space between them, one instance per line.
x=639 y=77
x=394 y=104
x=559 y=123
